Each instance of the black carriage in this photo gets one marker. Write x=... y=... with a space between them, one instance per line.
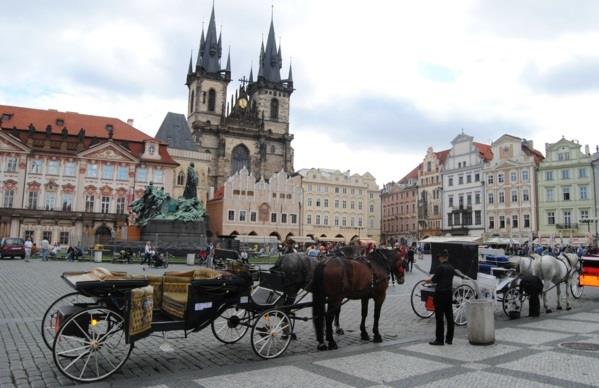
x=92 y=331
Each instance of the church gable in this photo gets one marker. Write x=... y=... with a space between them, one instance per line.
x=108 y=151
x=9 y=143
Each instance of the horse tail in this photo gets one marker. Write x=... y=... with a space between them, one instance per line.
x=318 y=300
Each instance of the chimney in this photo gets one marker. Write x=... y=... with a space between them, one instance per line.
x=587 y=150
x=130 y=122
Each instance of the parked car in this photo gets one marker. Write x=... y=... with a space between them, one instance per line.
x=12 y=247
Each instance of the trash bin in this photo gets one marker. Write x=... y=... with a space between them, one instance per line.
x=191 y=258
x=98 y=256
x=481 y=322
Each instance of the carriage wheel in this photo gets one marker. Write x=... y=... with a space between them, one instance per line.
x=575 y=286
x=461 y=295
x=271 y=334
x=90 y=345
x=231 y=325
x=512 y=301
x=49 y=327
x=418 y=305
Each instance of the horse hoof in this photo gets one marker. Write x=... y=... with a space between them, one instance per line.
x=333 y=345
x=548 y=311
x=559 y=308
x=364 y=337
x=322 y=346
x=377 y=339
x=339 y=331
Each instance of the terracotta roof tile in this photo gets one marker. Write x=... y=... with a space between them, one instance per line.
x=412 y=174
x=442 y=155
x=485 y=151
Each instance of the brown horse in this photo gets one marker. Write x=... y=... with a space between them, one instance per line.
x=363 y=278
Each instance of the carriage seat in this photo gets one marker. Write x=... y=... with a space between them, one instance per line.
x=96 y=274
x=175 y=289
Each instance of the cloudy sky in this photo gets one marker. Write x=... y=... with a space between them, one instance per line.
x=376 y=82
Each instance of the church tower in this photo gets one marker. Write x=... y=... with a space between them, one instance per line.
x=208 y=82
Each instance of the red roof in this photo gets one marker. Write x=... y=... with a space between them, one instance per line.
x=412 y=174
x=219 y=193
x=485 y=151
x=442 y=156
x=94 y=125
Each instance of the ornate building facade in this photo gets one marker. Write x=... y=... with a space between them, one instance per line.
x=430 y=188
x=252 y=130
x=339 y=206
x=511 y=188
x=69 y=177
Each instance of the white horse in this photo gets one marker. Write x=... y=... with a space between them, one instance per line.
x=550 y=270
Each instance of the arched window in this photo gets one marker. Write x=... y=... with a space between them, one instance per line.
x=211 y=100
x=181 y=178
x=240 y=157
x=274 y=109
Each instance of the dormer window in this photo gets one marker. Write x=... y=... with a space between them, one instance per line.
x=6 y=116
x=60 y=122
x=109 y=127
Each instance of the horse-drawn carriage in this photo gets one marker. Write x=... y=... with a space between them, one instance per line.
x=490 y=279
x=92 y=331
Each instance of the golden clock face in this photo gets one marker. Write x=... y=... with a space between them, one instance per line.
x=243 y=103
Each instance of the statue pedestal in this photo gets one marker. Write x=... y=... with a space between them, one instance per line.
x=174 y=235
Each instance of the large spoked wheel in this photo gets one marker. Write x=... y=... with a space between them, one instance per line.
x=512 y=301
x=418 y=305
x=271 y=334
x=90 y=345
x=461 y=296
x=575 y=286
x=231 y=325
x=49 y=321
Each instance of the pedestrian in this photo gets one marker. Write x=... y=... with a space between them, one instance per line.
x=70 y=253
x=28 y=249
x=442 y=278
x=533 y=286
x=244 y=256
x=410 y=257
x=148 y=252
x=45 y=249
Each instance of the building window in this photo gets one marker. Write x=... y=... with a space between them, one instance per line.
x=122 y=173
x=450 y=181
x=477 y=217
x=294 y=218
x=231 y=215
x=372 y=208
x=336 y=204
x=284 y=218
x=253 y=217
x=47 y=235
x=89 y=203
x=551 y=218
x=584 y=214
x=566 y=193
x=53 y=167
x=336 y=190
x=273 y=217
x=343 y=221
x=501 y=222
x=240 y=158
x=318 y=219
x=142 y=175
x=11 y=165
x=158 y=175
x=548 y=175
x=309 y=219
x=211 y=100
x=477 y=198
x=526 y=221
x=92 y=170
x=310 y=201
x=514 y=196
x=344 y=204
x=514 y=221
x=525 y=176
x=64 y=238
x=583 y=193
x=107 y=171
x=565 y=174
x=450 y=199
x=468 y=178
x=549 y=194
x=477 y=177
x=120 y=205
x=525 y=195
x=460 y=180
x=242 y=215
x=32 y=200
x=491 y=198
x=449 y=219
x=582 y=173
x=567 y=218
x=69 y=169
x=274 y=109
x=563 y=156
x=490 y=179
x=491 y=222
x=501 y=197
x=36 y=166
x=499 y=178
x=326 y=203
x=29 y=234
x=469 y=200
x=352 y=205
x=336 y=221
x=9 y=196
x=50 y=200
x=344 y=190
x=325 y=220
x=513 y=176
x=105 y=202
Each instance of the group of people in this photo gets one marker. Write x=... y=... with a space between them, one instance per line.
x=46 y=251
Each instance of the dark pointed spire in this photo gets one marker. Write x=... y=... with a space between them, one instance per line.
x=211 y=49
x=260 y=60
x=251 y=74
x=201 y=50
x=270 y=61
x=290 y=76
x=228 y=69
x=190 y=69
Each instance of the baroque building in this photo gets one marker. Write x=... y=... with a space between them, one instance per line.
x=252 y=129
x=70 y=177
x=566 y=191
x=511 y=188
x=339 y=206
x=463 y=188
x=430 y=187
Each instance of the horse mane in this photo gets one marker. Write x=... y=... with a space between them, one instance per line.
x=381 y=257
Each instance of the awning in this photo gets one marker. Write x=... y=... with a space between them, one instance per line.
x=301 y=240
x=451 y=239
x=331 y=239
x=505 y=240
x=257 y=239
x=572 y=241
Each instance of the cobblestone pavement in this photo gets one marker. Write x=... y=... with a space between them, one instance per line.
x=526 y=351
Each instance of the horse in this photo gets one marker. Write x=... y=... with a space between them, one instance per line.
x=338 y=278
x=549 y=269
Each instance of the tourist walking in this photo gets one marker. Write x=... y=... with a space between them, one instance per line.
x=28 y=249
x=45 y=249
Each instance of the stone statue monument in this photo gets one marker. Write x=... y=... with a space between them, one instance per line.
x=191 y=186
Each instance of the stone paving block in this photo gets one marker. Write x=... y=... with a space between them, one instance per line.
x=461 y=350
x=475 y=366
x=527 y=336
x=563 y=325
x=571 y=367
x=270 y=377
x=483 y=379
x=592 y=317
x=383 y=366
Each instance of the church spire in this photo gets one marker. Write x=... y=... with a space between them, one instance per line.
x=251 y=80
x=260 y=60
x=270 y=60
x=190 y=69
x=210 y=48
x=290 y=76
x=228 y=69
